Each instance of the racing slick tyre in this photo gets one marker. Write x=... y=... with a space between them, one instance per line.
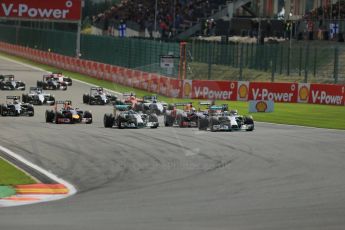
x=49 y=116
x=3 y=110
x=203 y=124
x=40 y=84
x=153 y=118
x=31 y=111
x=58 y=116
x=25 y=98
x=86 y=99
x=249 y=121
x=87 y=114
x=168 y=121
x=212 y=123
x=119 y=123
x=108 y=120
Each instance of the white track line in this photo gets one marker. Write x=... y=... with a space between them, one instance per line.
x=71 y=189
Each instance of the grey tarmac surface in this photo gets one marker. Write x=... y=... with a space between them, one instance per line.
x=275 y=178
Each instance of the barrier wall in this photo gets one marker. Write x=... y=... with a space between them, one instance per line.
x=328 y=94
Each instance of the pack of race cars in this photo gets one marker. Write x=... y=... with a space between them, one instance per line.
x=128 y=112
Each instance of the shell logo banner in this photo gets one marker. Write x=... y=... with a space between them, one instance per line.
x=187 y=88
x=261 y=106
x=303 y=92
x=242 y=90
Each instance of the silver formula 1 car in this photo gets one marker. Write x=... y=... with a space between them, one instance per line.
x=49 y=82
x=14 y=107
x=219 y=118
x=124 y=117
x=8 y=82
x=98 y=96
x=37 y=97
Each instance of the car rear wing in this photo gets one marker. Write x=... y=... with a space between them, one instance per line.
x=123 y=107
x=150 y=97
x=9 y=76
x=13 y=97
x=59 y=73
x=128 y=94
x=96 y=89
x=223 y=107
x=208 y=103
x=35 y=89
x=68 y=102
x=47 y=76
x=183 y=104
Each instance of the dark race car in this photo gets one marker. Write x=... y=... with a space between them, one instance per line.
x=186 y=117
x=8 y=82
x=67 y=115
x=14 y=107
x=62 y=79
x=37 y=97
x=150 y=104
x=220 y=119
x=124 y=117
x=98 y=96
x=49 y=82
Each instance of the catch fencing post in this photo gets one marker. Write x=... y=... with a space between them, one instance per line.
x=241 y=63
x=336 y=64
x=306 y=66
x=315 y=56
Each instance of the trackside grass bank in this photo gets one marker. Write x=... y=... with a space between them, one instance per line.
x=321 y=116
x=10 y=175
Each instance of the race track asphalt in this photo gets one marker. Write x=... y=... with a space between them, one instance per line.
x=276 y=178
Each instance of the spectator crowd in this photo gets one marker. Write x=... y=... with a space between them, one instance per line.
x=172 y=15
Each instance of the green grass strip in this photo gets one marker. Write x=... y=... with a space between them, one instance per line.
x=312 y=115
x=6 y=191
x=10 y=175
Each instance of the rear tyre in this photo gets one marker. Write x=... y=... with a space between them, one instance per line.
x=49 y=116
x=108 y=120
x=87 y=114
x=202 y=124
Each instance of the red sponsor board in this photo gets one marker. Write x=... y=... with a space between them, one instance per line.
x=145 y=78
x=278 y=92
x=214 y=90
x=174 y=88
x=163 y=85
x=327 y=94
x=136 y=79
x=154 y=83
x=59 y=10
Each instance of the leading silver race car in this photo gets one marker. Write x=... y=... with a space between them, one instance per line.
x=220 y=119
x=37 y=97
x=14 y=107
x=124 y=117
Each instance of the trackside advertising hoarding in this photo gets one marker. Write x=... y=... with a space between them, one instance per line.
x=214 y=90
x=327 y=94
x=277 y=92
x=57 y=10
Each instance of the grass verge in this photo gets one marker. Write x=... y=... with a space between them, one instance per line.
x=321 y=116
x=10 y=175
